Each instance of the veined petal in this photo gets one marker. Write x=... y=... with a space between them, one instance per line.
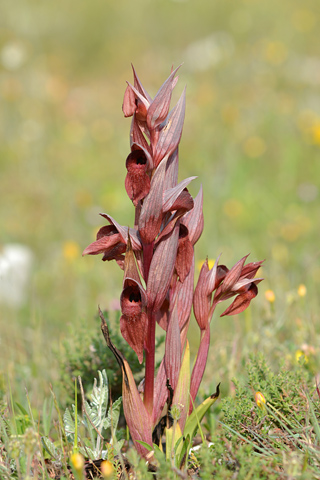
x=133 y=326
x=137 y=417
x=160 y=105
x=201 y=299
x=185 y=254
x=162 y=315
x=184 y=294
x=151 y=212
x=241 y=302
x=172 y=356
x=193 y=219
x=200 y=365
x=129 y=102
x=250 y=270
x=171 y=176
x=242 y=284
x=181 y=395
x=160 y=394
x=107 y=238
x=136 y=244
x=233 y=275
x=138 y=85
x=159 y=278
x=170 y=134
x=171 y=195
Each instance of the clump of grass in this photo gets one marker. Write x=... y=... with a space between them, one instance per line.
x=283 y=423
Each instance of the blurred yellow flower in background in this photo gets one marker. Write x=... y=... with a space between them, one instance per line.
x=301 y=355
x=302 y=290
x=233 y=208
x=275 y=52
x=270 y=296
x=315 y=133
x=71 y=250
x=107 y=469
x=211 y=262
x=260 y=400
x=254 y=147
x=77 y=461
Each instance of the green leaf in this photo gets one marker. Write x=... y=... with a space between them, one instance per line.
x=182 y=392
x=113 y=416
x=88 y=453
x=185 y=448
x=173 y=435
x=146 y=445
x=50 y=448
x=193 y=421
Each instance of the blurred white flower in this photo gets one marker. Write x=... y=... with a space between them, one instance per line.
x=209 y=51
x=13 y=55
x=15 y=269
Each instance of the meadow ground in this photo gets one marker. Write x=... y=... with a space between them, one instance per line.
x=251 y=135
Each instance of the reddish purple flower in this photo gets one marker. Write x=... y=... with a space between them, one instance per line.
x=157 y=257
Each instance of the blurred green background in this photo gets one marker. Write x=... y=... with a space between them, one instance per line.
x=251 y=135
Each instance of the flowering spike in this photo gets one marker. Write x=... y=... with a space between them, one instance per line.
x=160 y=251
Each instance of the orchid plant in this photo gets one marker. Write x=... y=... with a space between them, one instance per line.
x=157 y=258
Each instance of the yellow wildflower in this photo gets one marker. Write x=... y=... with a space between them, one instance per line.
x=270 y=296
x=302 y=290
x=260 y=400
x=211 y=262
x=77 y=461
x=107 y=469
x=254 y=147
x=301 y=355
x=71 y=250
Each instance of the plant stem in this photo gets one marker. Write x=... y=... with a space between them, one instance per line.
x=151 y=337
x=150 y=362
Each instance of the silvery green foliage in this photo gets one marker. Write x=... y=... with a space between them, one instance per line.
x=97 y=408
x=97 y=418
x=50 y=448
x=69 y=424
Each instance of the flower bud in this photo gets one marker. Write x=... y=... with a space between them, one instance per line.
x=260 y=400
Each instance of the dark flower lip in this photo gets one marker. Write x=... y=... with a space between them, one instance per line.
x=137 y=182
